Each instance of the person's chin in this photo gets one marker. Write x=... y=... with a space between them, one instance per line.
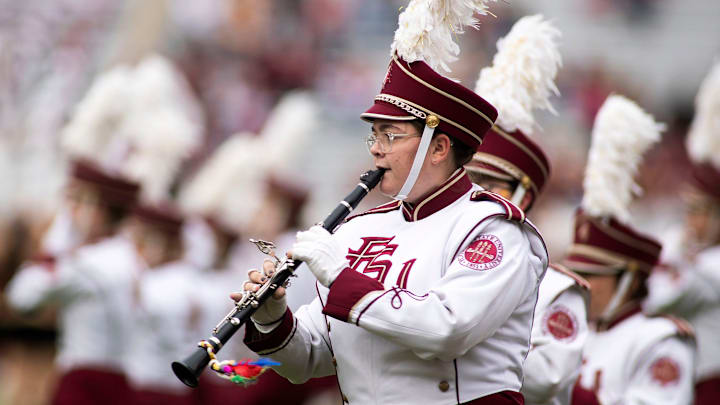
x=387 y=189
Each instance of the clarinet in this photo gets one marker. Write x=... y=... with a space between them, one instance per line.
x=189 y=369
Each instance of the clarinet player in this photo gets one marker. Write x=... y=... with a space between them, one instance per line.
x=426 y=299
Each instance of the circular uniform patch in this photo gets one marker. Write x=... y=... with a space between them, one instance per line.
x=665 y=371
x=484 y=253
x=560 y=322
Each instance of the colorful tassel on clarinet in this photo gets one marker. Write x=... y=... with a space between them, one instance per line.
x=244 y=372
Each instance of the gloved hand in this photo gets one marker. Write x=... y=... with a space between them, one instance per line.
x=321 y=252
x=268 y=316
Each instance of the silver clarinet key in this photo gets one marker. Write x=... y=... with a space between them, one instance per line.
x=267 y=248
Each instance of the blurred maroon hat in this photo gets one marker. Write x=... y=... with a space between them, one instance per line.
x=165 y=217
x=414 y=90
x=512 y=156
x=605 y=246
x=114 y=190
x=706 y=179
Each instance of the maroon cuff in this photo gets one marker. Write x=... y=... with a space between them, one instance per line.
x=583 y=396
x=347 y=289
x=46 y=260
x=270 y=342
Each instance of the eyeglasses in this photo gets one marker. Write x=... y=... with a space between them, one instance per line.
x=384 y=140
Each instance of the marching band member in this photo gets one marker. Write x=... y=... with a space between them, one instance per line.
x=690 y=286
x=90 y=284
x=429 y=298
x=164 y=126
x=509 y=163
x=629 y=358
x=164 y=297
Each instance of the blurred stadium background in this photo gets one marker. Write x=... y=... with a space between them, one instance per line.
x=240 y=56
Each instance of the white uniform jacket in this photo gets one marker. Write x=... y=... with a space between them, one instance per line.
x=435 y=307
x=559 y=333
x=639 y=360
x=165 y=324
x=692 y=291
x=91 y=287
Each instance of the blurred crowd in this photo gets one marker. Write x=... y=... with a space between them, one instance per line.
x=245 y=76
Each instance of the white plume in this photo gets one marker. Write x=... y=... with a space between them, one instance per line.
x=229 y=186
x=92 y=133
x=703 y=141
x=164 y=128
x=426 y=28
x=289 y=128
x=522 y=77
x=622 y=133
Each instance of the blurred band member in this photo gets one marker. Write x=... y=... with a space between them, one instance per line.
x=509 y=163
x=629 y=358
x=690 y=286
x=87 y=286
x=164 y=309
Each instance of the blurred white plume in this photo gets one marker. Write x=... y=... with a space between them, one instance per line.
x=622 y=133
x=522 y=77
x=164 y=127
x=93 y=130
x=703 y=140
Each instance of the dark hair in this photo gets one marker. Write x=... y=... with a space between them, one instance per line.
x=462 y=153
x=116 y=214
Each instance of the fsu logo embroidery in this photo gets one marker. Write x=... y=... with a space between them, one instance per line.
x=484 y=253
x=560 y=322
x=368 y=253
x=665 y=371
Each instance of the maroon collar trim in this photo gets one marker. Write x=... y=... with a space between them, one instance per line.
x=631 y=308
x=454 y=187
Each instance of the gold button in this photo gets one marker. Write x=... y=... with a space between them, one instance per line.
x=432 y=121
x=444 y=386
x=328 y=326
x=334 y=362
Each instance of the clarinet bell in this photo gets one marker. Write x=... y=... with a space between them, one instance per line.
x=188 y=371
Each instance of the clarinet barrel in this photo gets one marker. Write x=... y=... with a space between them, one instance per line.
x=188 y=370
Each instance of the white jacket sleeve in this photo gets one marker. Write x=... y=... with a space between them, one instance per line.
x=685 y=291
x=664 y=376
x=558 y=336
x=468 y=304
x=300 y=343
x=38 y=284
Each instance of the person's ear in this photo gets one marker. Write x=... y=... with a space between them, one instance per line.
x=440 y=149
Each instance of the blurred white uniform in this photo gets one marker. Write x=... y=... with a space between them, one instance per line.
x=92 y=287
x=165 y=314
x=693 y=292
x=435 y=308
x=559 y=333
x=640 y=360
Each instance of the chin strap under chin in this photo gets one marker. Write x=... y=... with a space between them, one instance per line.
x=617 y=299
x=518 y=195
x=431 y=122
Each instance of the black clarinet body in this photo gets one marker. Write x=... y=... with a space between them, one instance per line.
x=189 y=369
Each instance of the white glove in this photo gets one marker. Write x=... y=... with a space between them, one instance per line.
x=270 y=314
x=321 y=252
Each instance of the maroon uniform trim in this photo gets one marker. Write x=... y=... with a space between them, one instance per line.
x=453 y=188
x=391 y=206
x=578 y=279
x=348 y=288
x=499 y=398
x=268 y=343
x=513 y=212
